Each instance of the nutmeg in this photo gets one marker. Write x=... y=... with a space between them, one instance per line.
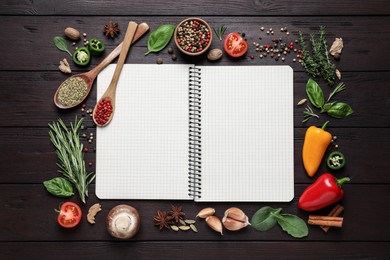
x=72 y=34
x=214 y=54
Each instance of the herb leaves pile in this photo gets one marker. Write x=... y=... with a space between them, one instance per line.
x=267 y=217
x=316 y=96
x=318 y=64
x=69 y=151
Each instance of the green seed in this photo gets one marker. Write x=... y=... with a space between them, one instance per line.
x=189 y=221
x=174 y=228
x=192 y=226
x=182 y=222
x=184 y=228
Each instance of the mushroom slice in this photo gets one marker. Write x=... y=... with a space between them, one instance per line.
x=123 y=221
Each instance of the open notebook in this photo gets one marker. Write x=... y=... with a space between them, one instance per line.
x=207 y=133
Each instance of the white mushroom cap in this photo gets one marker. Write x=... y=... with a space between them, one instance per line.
x=123 y=221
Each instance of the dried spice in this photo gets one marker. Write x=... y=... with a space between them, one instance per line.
x=176 y=213
x=111 y=29
x=72 y=91
x=162 y=220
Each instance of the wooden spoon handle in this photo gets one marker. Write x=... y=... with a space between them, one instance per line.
x=122 y=57
x=141 y=30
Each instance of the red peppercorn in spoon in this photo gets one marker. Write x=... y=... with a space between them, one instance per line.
x=105 y=107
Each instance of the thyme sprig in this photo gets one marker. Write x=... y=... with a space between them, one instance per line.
x=70 y=157
x=220 y=31
x=318 y=64
x=340 y=87
x=308 y=113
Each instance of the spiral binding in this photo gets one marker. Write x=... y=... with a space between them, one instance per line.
x=195 y=144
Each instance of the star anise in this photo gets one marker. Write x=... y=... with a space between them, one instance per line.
x=163 y=220
x=176 y=213
x=111 y=29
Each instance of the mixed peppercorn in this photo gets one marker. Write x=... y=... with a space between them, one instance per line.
x=193 y=36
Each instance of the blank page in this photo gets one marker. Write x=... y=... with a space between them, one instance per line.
x=247 y=133
x=143 y=152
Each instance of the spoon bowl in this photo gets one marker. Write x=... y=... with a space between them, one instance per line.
x=90 y=76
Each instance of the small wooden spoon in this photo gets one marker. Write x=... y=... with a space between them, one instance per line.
x=90 y=76
x=109 y=95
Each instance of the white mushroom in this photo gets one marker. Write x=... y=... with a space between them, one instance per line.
x=123 y=221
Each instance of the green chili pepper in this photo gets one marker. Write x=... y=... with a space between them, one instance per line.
x=336 y=160
x=82 y=56
x=96 y=46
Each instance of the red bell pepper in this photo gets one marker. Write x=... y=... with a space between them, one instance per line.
x=325 y=191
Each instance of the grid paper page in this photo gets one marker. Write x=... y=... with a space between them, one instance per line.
x=247 y=133
x=143 y=152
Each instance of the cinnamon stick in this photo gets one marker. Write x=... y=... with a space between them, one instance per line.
x=325 y=221
x=336 y=211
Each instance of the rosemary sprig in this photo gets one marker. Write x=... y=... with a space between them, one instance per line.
x=219 y=31
x=340 y=87
x=308 y=113
x=318 y=64
x=70 y=156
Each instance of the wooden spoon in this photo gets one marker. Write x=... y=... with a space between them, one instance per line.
x=90 y=76
x=109 y=95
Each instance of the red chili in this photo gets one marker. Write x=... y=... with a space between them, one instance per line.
x=325 y=191
x=103 y=111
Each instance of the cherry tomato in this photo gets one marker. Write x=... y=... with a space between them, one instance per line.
x=235 y=45
x=69 y=215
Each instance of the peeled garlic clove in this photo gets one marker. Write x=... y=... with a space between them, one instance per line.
x=215 y=223
x=232 y=224
x=236 y=214
x=204 y=213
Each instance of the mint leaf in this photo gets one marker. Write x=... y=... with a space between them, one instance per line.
x=293 y=225
x=264 y=218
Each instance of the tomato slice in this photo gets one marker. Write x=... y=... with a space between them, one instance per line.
x=69 y=215
x=235 y=45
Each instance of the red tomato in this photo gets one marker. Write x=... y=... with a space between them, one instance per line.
x=69 y=215
x=235 y=45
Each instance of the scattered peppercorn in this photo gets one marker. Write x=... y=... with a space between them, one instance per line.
x=159 y=60
x=84 y=34
x=170 y=50
x=174 y=57
x=90 y=164
x=85 y=150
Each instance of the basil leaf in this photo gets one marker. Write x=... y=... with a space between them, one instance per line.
x=327 y=106
x=293 y=225
x=160 y=38
x=59 y=187
x=339 y=110
x=60 y=43
x=264 y=219
x=315 y=94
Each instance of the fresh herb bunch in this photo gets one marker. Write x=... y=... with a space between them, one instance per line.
x=316 y=96
x=69 y=151
x=318 y=64
x=220 y=31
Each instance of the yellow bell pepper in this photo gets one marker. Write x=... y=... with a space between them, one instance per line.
x=314 y=147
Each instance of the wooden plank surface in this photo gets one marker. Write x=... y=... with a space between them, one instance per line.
x=29 y=77
x=191 y=8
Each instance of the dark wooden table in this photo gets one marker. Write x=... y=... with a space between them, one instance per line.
x=29 y=77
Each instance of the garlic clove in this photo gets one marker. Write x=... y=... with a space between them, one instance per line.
x=204 y=213
x=215 y=223
x=236 y=214
x=232 y=224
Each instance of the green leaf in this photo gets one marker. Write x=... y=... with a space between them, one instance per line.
x=160 y=38
x=264 y=219
x=59 y=187
x=315 y=94
x=293 y=225
x=60 y=43
x=339 y=110
x=327 y=106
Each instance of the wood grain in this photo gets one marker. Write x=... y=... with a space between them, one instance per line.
x=187 y=7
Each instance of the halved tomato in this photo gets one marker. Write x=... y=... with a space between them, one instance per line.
x=69 y=215
x=235 y=45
